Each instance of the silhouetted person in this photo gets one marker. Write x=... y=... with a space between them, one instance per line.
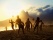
x=41 y=24
x=37 y=24
x=20 y=24
x=28 y=23
x=6 y=28
x=12 y=23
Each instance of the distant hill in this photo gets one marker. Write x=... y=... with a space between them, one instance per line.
x=23 y=16
x=4 y=23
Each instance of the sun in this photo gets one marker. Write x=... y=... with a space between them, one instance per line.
x=11 y=9
x=11 y=12
x=14 y=12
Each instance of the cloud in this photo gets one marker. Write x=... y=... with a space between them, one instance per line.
x=31 y=8
x=46 y=15
x=40 y=10
x=47 y=6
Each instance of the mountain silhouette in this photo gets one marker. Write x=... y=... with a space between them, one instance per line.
x=4 y=23
x=23 y=16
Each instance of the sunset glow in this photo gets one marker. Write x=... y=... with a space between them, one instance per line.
x=8 y=28
x=9 y=9
x=38 y=14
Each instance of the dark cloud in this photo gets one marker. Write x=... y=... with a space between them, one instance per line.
x=47 y=14
x=40 y=10
x=46 y=6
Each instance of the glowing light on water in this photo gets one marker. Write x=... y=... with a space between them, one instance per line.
x=2 y=28
x=8 y=28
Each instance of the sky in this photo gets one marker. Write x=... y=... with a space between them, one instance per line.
x=9 y=8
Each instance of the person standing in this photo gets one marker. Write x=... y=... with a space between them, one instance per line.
x=37 y=24
x=28 y=23
x=12 y=23
x=20 y=24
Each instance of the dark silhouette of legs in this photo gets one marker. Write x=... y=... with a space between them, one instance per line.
x=23 y=30
x=12 y=27
x=36 y=27
x=21 y=27
x=18 y=30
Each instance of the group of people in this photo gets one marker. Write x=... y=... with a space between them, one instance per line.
x=27 y=24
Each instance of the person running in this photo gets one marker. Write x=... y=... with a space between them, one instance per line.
x=28 y=23
x=37 y=24
x=41 y=24
x=12 y=23
x=20 y=24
